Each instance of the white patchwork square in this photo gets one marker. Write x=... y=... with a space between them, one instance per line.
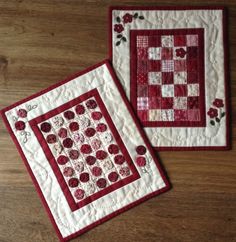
x=154 y=78
x=154 y=115
x=142 y=103
x=142 y=41
x=167 y=115
x=167 y=41
x=192 y=40
x=180 y=77
x=180 y=53
x=180 y=102
x=167 y=65
x=193 y=90
x=154 y=53
x=167 y=90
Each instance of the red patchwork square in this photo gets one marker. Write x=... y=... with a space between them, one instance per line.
x=167 y=102
x=166 y=53
x=194 y=115
x=154 y=90
x=180 y=90
x=192 y=65
x=143 y=115
x=154 y=103
x=193 y=102
x=192 y=52
x=180 y=115
x=192 y=77
x=142 y=53
x=142 y=78
x=180 y=65
x=154 y=65
x=142 y=66
x=154 y=41
x=179 y=40
x=142 y=90
x=167 y=77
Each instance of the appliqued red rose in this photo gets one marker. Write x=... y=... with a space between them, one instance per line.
x=118 y=28
x=127 y=18
x=218 y=103
x=213 y=113
x=180 y=52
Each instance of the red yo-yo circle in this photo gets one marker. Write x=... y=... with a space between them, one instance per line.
x=74 y=154
x=89 y=132
x=84 y=177
x=67 y=143
x=90 y=160
x=73 y=182
x=113 y=149
x=68 y=171
x=101 y=154
x=141 y=150
x=91 y=104
x=51 y=138
x=62 y=160
x=101 y=127
x=96 y=115
x=119 y=159
x=113 y=176
x=80 y=109
x=20 y=125
x=86 y=149
x=79 y=194
x=96 y=171
x=141 y=161
x=62 y=133
x=45 y=127
x=74 y=126
x=69 y=114
x=124 y=171
x=101 y=183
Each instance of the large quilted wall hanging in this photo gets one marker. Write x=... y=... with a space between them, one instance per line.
x=172 y=65
x=85 y=151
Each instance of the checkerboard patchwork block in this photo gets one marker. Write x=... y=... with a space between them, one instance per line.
x=170 y=78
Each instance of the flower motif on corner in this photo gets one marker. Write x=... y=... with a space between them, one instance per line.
x=180 y=52
x=20 y=122
x=216 y=113
x=119 y=27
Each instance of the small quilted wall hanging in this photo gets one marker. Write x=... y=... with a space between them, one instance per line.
x=172 y=65
x=85 y=151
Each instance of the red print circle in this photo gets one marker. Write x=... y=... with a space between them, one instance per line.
x=89 y=132
x=67 y=143
x=84 y=177
x=101 y=154
x=119 y=159
x=86 y=149
x=90 y=160
x=45 y=127
x=79 y=109
x=141 y=161
x=68 y=171
x=79 y=194
x=62 y=133
x=96 y=115
x=113 y=149
x=101 y=183
x=22 y=113
x=69 y=115
x=51 y=138
x=141 y=150
x=96 y=171
x=74 y=126
x=91 y=104
x=74 y=154
x=101 y=127
x=124 y=171
x=62 y=160
x=19 y=125
x=113 y=176
x=73 y=182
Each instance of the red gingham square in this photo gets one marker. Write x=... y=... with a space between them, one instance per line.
x=167 y=78
x=142 y=103
x=167 y=102
x=167 y=65
x=142 y=41
x=180 y=90
x=154 y=90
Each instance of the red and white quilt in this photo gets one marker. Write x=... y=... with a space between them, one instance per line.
x=86 y=153
x=172 y=65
